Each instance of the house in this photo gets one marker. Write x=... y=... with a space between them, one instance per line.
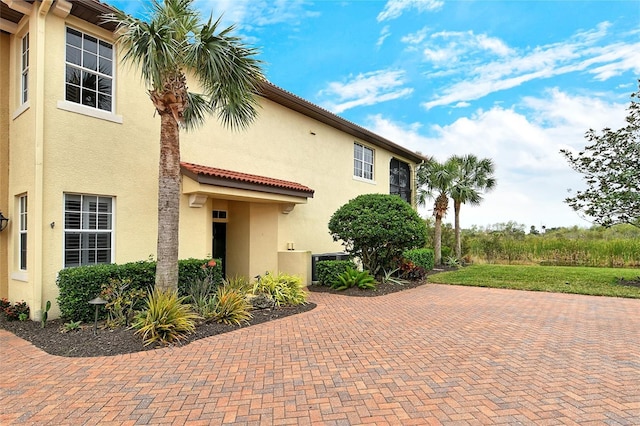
x=79 y=147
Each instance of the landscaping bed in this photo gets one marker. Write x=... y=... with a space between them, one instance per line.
x=83 y=343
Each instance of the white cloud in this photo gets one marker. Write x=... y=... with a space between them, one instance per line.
x=383 y=35
x=365 y=89
x=256 y=13
x=415 y=38
x=455 y=53
x=532 y=175
x=395 y=8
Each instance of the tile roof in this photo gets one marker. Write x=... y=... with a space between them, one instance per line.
x=200 y=170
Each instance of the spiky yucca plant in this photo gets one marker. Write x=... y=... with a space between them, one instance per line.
x=166 y=318
x=283 y=288
x=239 y=283
x=231 y=306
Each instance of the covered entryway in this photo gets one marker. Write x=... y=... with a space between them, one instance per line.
x=243 y=212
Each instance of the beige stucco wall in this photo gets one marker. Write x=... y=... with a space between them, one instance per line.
x=4 y=158
x=57 y=151
x=21 y=173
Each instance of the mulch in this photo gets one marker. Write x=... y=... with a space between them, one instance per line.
x=106 y=342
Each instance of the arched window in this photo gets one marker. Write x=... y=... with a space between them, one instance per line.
x=400 y=179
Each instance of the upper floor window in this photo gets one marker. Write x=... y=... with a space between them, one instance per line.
x=362 y=162
x=88 y=229
x=24 y=68
x=400 y=179
x=89 y=71
x=22 y=240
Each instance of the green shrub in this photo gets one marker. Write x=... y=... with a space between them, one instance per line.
x=191 y=270
x=166 y=319
x=377 y=228
x=421 y=257
x=241 y=284
x=122 y=301
x=283 y=288
x=328 y=270
x=80 y=284
x=353 y=278
x=231 y=306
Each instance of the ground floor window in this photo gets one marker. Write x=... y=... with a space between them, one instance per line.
x=22 y=240
x=88 y=230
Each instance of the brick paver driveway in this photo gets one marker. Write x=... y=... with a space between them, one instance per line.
x=431 y=355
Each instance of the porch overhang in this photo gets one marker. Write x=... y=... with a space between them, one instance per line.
x=201 y=182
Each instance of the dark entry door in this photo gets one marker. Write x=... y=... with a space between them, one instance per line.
x=219 y=245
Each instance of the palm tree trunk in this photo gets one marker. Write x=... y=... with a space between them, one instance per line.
x=456 y=207
x=168 y=203
x=437 y=243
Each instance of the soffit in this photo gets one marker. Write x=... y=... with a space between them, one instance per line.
x=87 y=10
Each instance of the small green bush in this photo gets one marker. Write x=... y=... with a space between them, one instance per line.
x=166 y=319
x=353 y=278
x=283 y=288
x=80 y=284
x=422 y=257
x=328 y=270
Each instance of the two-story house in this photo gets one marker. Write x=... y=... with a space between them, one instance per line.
x=79 y=147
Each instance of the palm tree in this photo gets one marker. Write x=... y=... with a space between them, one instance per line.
x=174 y=43
x=473 y=177
x=434 y=181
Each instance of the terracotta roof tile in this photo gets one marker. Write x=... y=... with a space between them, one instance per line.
x=244 y=177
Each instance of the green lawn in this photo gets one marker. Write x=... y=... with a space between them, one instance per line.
x=557 y=279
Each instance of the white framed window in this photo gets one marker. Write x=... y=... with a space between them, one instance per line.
x=362 y=161
x=24 y=68
x=22 y=232
x=89 y=71
x=88 y=230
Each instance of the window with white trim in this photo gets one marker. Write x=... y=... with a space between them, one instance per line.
x=24 y=68
x=22 y=230
x=362 y=162
x=88 y=230
x=89 y=71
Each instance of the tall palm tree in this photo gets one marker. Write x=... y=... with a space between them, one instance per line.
x=473 y=177
x=172 y=44
x=434 y=181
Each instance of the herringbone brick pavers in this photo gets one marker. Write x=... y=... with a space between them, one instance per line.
x=431 y=355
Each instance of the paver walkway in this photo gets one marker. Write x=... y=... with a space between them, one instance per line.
x=430 y=355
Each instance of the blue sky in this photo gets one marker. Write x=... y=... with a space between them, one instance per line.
x=514 y=81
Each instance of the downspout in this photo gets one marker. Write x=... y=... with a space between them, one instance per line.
x=38 y=214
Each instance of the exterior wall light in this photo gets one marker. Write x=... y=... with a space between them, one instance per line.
x=3 y=222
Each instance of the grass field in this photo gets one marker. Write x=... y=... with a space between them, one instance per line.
x=557 y=279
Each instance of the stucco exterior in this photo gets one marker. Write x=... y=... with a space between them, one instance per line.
x=50 y=147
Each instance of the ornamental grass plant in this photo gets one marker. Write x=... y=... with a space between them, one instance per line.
x=166 y=319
